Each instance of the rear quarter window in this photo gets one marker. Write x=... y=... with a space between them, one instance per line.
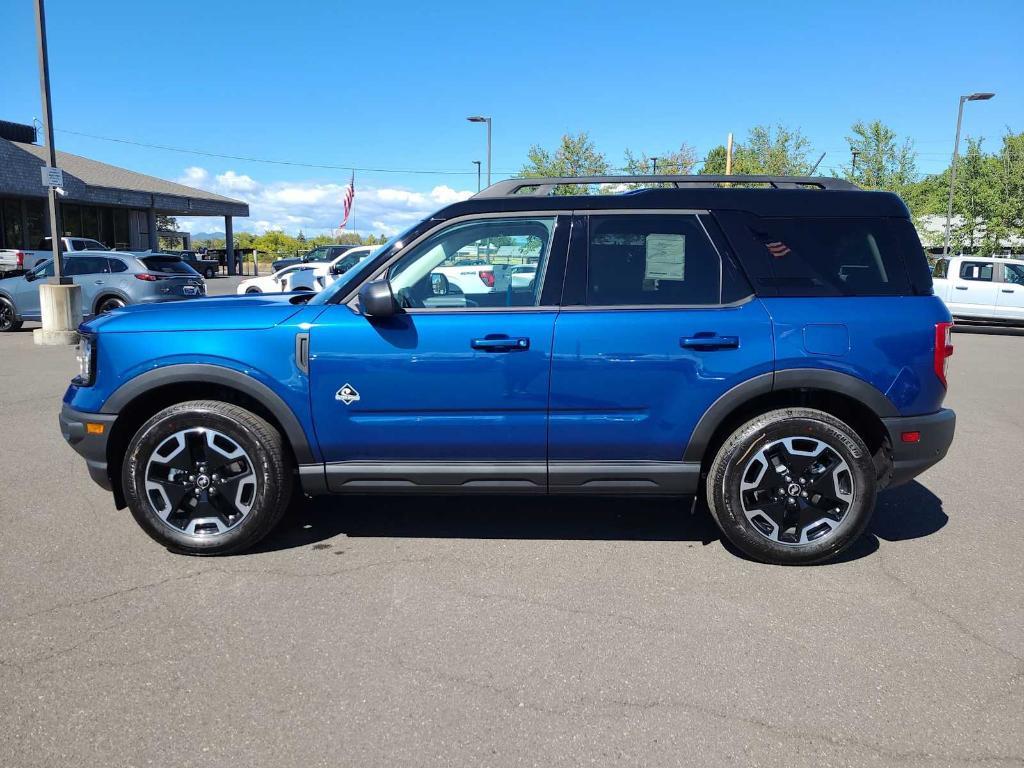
x=834 y=256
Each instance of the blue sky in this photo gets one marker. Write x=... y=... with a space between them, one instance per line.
x=388 y=85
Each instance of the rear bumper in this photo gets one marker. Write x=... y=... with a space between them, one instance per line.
x=90 y=446
x=911 y=459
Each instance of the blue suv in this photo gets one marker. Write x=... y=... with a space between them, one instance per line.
x=771 y=344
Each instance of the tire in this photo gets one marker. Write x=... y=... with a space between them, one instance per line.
x=210 y=274
x=210 y=492
x=792 y=451
x=109 y=303
x=7 y=321
x=253 y=290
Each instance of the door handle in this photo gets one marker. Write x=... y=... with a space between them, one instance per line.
x=98 y=282
x=1007 y=290
x=706 y=340
x=961 y=287
x=501 y=344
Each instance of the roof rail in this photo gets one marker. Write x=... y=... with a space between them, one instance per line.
x=539 y=187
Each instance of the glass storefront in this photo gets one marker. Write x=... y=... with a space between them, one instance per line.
x=21 y=222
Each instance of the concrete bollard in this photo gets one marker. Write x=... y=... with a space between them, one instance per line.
x=61 y=307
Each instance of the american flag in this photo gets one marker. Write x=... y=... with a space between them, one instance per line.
x=350 y=195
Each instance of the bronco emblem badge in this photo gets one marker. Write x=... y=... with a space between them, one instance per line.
x=347 y=394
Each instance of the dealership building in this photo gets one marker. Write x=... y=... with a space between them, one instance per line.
x=116 y=206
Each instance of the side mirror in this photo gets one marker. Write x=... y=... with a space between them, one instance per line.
x=30 y=276
x=377 y=300
x=337 y=269
x=439 y=284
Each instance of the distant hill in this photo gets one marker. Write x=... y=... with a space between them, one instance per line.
x=208 y=235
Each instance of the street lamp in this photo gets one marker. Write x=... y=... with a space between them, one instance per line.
x=482 y=119
x=956 y=154
x=477 y=164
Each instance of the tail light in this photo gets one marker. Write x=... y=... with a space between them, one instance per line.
x=487 y=276
x=943 y=349
x=146 y=276
x=21 y=259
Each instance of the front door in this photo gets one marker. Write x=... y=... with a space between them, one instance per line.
x=650 y=335
x=451 y=392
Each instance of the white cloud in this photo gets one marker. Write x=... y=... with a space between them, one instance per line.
x=236 y=182
x=315 y=207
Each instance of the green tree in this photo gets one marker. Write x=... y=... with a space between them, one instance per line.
x=778 y=151
x=575 y=156
x=883 y=162
x=714 y=162
x=670 y=163
x=976 y=201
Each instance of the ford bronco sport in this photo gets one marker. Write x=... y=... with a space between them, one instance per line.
x=774 y=347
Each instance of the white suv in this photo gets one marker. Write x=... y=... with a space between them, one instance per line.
x=981 y=287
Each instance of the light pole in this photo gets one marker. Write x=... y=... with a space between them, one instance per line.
x=956 y=154
x=44 y=88
x=477 y=164
x=854 y=154
x=482 y=119
x=654 y=166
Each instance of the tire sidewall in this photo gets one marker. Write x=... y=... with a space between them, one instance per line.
x=267 y=465
x=727 y=471
x=15 y=324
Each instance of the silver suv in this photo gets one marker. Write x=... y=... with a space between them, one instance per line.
x=109 y=280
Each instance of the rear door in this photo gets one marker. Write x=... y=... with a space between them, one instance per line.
x=90 y=272
x=974 y=293
x=1010 y=299
x=655 y=326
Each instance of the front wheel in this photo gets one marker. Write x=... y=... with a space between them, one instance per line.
x=207 y=477
x=792 y=487
x=210 y=274
x=253 y=290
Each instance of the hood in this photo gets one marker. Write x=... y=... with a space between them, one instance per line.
x=223 y=313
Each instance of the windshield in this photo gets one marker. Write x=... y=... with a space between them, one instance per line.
x=361 y=269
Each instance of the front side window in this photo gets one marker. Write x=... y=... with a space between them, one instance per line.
x=651 y=260
x=832 y=257
x=470 y=265
x=977 y=270
x=1013 y=273
x=941 y=269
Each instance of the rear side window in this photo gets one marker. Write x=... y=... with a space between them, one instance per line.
x=941 y=269
x=651 y=260
x=85 y=265
x=168 y=266
x=1013 y=273
x=977 y=270
x=832 y=257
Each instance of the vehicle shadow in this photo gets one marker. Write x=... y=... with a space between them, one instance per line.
x=908 y=512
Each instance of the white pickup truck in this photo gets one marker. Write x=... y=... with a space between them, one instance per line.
x=979 y=288
x=16 y=258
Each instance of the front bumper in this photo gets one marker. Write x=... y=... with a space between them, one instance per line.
x=911 y=459
x=89 y=445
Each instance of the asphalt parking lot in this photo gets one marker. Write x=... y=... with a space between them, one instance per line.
x=409 y=632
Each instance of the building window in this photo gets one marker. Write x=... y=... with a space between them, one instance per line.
x=35 y=217
x=13 y=233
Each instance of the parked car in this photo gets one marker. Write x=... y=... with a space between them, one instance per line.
x=110 y=280
x=298 y=277
x=469 y=279
x=306 y=277
x=25 y=259
x=521 y=275
x=208 y=268
x=981 y=289
x=777 y=351
x=320 y=255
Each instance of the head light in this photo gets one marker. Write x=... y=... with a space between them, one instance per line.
x=86 y=361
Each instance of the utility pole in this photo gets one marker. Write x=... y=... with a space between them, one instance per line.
x=956 y=155
x=854 y=153
x=728 y=155
x=654 y=166
x=487 y=120
x=44 y=91
x=477 y=164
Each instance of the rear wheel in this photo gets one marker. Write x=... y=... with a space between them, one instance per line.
x=792 y=486
x=253 y=290
x=207 y=477
x=109 y=304
x=7 y=321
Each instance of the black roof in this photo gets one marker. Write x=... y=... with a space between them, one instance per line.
x=786 y=196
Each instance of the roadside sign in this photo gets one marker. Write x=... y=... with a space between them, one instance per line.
x=52 y=177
